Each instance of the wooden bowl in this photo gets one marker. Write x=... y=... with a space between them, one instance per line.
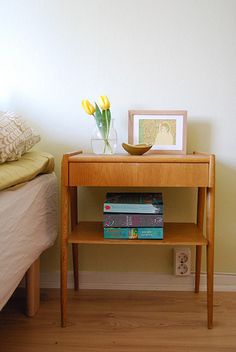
x=136 y=149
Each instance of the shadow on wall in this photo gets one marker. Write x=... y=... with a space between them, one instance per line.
x=199 y=136
x=225 y=219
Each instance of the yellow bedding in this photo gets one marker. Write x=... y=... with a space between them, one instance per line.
x=25 y=169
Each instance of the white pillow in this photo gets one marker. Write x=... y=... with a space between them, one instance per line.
x=16 y=137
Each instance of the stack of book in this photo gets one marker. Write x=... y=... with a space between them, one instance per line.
x=133 y=216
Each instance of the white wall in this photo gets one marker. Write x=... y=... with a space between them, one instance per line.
x=149 y=54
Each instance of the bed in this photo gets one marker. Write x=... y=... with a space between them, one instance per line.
x=28 y=222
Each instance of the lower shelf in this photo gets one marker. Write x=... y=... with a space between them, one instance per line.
x=174 y=234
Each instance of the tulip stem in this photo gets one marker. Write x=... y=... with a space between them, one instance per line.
x=103 y=124
x=107 y=144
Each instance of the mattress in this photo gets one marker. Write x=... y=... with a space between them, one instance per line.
x=28 y=226
x=25 y=169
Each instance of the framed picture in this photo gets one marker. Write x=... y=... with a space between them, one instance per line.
x=165 y=130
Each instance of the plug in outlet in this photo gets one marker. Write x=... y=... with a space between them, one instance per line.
x=182 y=261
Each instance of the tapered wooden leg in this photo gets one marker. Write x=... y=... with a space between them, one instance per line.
x=64 y=252
x=198 y=268
x=68 y=198
x=200 y=221
x=33 y=288
x=64 y=269
x=210 y=285
x=74 y=215
x=75 y=265
x=210 y=253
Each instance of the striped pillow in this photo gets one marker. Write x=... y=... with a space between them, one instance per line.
x=16 y=137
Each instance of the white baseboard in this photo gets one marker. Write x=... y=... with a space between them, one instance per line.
x=139 y=281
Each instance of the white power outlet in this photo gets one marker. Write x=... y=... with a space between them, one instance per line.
x=182 y=261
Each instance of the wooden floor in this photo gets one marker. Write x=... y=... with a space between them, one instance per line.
x=124 y=321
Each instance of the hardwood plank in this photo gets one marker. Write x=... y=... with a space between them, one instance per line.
x=121 y=321
x=174 y=234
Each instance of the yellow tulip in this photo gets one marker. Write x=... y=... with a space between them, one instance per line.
x=88 y=107
x=104 y=102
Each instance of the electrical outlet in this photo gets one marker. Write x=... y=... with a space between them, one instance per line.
x=182 y=261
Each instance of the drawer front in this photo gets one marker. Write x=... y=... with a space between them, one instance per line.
x=139 y=174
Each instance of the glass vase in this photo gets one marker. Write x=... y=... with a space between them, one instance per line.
x=102 y=143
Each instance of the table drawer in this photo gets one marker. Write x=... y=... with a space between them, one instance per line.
x=139 y=174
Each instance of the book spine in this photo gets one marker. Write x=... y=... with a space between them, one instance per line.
x=133 y=208
x=132 y=220
x=133 y=233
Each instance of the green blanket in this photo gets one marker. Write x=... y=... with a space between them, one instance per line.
x=25 y=169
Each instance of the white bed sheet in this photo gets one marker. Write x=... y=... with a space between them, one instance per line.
x=28 y=226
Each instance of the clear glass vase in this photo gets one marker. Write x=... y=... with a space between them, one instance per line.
x=102 y=143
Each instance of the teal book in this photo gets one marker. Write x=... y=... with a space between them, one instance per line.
x=134 y=233
x=138 y=203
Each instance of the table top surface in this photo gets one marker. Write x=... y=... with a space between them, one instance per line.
x=146 y=158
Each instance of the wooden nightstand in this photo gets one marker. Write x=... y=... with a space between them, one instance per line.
x=151 y=170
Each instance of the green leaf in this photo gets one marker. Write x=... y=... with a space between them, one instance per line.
x=98 y=115
x=109 y=119
x=106 y=120
x=99 y=120
x=103 y=121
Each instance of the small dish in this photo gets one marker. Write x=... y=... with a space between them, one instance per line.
x=136 y=149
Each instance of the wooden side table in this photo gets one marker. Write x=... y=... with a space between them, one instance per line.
x=151 y=170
